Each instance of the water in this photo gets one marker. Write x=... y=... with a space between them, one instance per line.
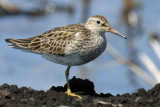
x=27 y=69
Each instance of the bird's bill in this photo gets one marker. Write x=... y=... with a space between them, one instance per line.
x=116 y=32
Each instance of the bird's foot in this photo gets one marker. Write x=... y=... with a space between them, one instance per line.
x=68 y=92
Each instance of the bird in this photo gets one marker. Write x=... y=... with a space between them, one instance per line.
x=69 y=45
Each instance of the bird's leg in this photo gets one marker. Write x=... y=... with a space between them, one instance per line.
x=68 y=92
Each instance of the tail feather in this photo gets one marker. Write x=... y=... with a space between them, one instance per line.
x=28 y=45
x=19 y=43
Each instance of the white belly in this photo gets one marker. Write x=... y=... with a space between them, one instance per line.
x=69 y=60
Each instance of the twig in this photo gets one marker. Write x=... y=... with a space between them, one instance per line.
x=132 y=66
x=8 y=6
x=150 y=65
x=156 y=47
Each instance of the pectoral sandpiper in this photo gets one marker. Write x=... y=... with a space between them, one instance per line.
x=69 y=45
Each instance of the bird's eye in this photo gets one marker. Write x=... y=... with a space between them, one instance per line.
x=98 y=22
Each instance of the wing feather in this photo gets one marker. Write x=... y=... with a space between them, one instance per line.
x=53 y=41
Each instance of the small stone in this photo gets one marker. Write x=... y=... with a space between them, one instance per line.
x=32 y=99
x=24 y=101
x=137 y=99
x=4 y=93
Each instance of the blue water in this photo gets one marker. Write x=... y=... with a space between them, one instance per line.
x=31 y=70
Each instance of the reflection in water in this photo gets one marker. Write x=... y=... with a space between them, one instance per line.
x=7 y=7
x=131 y=18
x=44 y=7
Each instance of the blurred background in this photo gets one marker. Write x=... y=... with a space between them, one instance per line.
x=125 y=66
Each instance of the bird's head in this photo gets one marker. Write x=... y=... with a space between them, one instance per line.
x=101 y=24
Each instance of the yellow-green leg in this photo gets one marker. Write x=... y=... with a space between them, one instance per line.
x=68 y=92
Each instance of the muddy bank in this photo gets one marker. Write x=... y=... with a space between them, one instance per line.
x=12 y=96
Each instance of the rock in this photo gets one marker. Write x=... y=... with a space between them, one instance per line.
x=12 y=96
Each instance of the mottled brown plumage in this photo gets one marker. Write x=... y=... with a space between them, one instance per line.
x=53 y=41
